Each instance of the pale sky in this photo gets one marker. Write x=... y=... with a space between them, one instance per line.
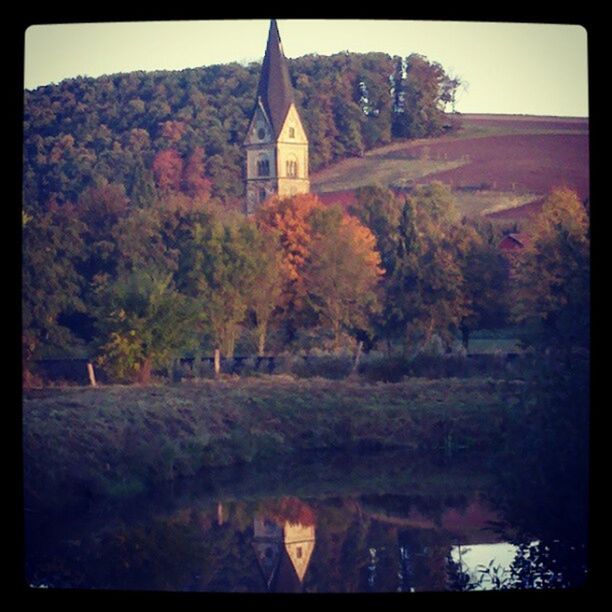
x=514 y=68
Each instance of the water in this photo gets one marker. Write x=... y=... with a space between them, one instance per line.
x=383 y=522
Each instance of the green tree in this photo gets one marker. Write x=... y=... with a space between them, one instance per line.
x=143 y=322
x=421 y=89
x=52 y=248
x=267 y=284
x=220 y=267
x=425 y=293
x=142 y=191
x=551 y=279
x=379 y=210
x=486 y=280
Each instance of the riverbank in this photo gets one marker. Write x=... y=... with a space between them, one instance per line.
x=116 y=441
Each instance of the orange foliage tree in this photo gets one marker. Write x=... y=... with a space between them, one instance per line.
x=168 y=170
x=289 y=220
x=331 y=263
x=342 y=273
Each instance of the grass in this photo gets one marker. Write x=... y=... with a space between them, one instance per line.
x=483 y=202
x=118 y=441
x=378 y=167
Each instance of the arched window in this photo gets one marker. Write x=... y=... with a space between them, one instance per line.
x=262 y=194
x=292 y=168
x=263 y=166
x=291 y=132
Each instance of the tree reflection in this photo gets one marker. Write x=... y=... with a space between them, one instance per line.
x=543 y=476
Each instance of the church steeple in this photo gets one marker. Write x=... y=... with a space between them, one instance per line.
x=275 y=91
x=276 y=143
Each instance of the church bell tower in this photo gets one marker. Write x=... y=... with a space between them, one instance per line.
x=276 y=143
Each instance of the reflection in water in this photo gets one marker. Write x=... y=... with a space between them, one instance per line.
x=391 y=526
x=283 y=549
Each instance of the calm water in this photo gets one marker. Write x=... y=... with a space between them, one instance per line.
x=368 y=523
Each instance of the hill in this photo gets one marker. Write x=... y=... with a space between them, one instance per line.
x=499 y=166
x=132 y=128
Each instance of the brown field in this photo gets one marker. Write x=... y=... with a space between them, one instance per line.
x=499 y=166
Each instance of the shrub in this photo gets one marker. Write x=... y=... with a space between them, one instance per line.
x=385 y=369
x=329 y=366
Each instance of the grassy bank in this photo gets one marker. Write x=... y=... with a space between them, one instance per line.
x=115 y=441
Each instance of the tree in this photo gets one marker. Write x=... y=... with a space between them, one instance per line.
x=421 y=89
x=168 y=170
x=342 y=273
x=219 y=269
x=142 y=190
x=289 y=219
x=425 y=293
x=379 y=210
x=194 y=182
x=267 y=284
x=52 y=247
x=551 y=279
x=486 y=276
x=143 y=322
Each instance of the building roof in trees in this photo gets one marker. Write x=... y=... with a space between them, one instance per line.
x=513 y=242
x=275 y=90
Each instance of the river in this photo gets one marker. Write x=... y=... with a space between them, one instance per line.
x=331 y=523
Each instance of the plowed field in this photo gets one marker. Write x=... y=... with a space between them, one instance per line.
x=498 y=166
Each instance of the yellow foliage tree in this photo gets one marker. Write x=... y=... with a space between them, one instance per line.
x=551 y=278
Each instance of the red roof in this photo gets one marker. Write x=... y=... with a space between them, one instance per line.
x=343 y=198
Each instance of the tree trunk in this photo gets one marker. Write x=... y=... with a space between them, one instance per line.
x=261 y=339
x=91 y=374
x=144 y=373
x=217 y=363
x=465 y=336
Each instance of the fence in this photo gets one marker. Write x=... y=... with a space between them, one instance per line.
x=371 y=368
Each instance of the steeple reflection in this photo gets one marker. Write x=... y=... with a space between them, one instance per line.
x=284 y=541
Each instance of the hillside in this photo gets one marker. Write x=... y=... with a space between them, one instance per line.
x=131 y=129
x=498 y=166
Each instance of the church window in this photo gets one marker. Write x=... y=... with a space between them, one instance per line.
x=291 y=132
x=263 y=166
x=262 y=194
x=261 y=133
x=291 y=168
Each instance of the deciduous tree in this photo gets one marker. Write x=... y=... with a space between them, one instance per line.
x=551 y=279
x=426 y=290
x=342 y=273
x=143 y=322
x=52 y=247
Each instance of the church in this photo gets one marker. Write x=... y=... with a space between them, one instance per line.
x=276 y=143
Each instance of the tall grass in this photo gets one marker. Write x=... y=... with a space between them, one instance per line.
x=82 y=443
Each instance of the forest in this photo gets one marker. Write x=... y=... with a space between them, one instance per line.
x=139 y=287
x=130 y=128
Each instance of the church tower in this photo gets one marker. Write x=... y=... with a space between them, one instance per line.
x=276 y=143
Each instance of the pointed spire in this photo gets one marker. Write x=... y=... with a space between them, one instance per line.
x=275 y=91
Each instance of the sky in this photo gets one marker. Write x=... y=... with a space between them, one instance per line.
x=507 y=68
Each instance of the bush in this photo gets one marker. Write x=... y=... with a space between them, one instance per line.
x=329 y=366
x=385 y=369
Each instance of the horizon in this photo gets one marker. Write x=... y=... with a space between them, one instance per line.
x=546 y=63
